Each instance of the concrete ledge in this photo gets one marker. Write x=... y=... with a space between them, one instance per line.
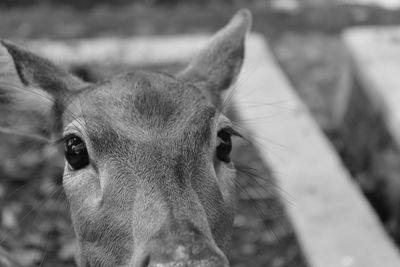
x=376 y=57
x=334 y=224
x=127 y=51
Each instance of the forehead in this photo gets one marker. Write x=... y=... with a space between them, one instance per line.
x=142 y=103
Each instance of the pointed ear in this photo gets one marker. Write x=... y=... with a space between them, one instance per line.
x=31 y=83
x=217 y=66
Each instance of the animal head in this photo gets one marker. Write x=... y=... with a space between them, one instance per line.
x=148 y=173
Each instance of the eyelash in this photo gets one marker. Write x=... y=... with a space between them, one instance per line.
x=233 y=132
x=61 y=140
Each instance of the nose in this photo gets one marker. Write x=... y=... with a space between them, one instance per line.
x=183 y=247
x=184 y=256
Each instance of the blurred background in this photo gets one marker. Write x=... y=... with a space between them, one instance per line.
x=305 y=37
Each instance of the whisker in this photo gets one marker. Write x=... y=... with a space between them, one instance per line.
x=10 y=131
x=254 y=141
x=247 y=172
x=38 y=180
x=35 y=207
x=247 y=75
x=52 y=234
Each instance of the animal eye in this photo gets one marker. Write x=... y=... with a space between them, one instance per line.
x=224 y=147
x=76 y=153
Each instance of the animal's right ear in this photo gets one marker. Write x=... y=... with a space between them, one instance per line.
x=31 y=83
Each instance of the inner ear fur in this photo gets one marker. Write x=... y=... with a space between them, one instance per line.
x=31 y=83
x=217 y=66
x=34 y=70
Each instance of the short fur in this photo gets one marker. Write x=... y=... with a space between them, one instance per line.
x=154 y=193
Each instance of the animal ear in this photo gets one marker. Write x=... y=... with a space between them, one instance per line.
x=217 y=66
x=33 y=84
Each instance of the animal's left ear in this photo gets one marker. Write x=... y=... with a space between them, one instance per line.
x=217 y=66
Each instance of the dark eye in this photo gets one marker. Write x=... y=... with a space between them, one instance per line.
x=224 y=147
x=76 y=153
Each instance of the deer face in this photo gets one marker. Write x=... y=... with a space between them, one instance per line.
x=148 y=174
x=149 y=166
